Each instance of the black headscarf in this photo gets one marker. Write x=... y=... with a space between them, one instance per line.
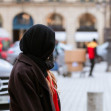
x=38 y=43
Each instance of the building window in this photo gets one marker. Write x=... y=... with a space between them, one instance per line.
x=21 y=23
x=55 y=21
x=87 y=22
x=22 y=20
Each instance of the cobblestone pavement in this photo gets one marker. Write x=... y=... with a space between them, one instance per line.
x=73 y=90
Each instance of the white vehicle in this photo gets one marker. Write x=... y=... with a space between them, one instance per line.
x=13 y=52
x=5 y=70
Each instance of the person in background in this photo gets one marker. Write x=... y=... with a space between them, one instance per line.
x=1 y=46
x=32 y=87
x=55 y=52
x=91 y=48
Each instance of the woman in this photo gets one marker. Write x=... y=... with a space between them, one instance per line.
x=32 y=87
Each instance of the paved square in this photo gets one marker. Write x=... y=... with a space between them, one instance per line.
x=73 y=91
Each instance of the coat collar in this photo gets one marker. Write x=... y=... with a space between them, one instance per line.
x=35 y=68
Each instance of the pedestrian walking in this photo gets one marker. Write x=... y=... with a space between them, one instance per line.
x=32 y=87
x=92 y=54
x=1 y=46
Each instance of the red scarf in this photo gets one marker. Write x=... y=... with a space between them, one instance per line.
x=55 y=97
x=55 y=100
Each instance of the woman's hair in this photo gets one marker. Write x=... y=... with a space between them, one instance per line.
x=52 y=82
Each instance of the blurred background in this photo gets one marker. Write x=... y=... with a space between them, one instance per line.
x=76 y=23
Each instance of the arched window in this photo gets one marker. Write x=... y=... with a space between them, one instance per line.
x=87 y=30
x=21 y=23
x=55 y=21
x=87 y=22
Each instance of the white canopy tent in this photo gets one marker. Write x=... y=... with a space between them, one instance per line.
x=79 y=36
x=60 y=36
x=86 y=36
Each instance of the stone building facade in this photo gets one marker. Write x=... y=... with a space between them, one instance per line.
x=39 y=10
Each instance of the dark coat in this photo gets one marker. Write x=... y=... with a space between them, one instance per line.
x=28 y=88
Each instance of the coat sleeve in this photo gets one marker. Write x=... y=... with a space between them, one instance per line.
x=28 y=98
